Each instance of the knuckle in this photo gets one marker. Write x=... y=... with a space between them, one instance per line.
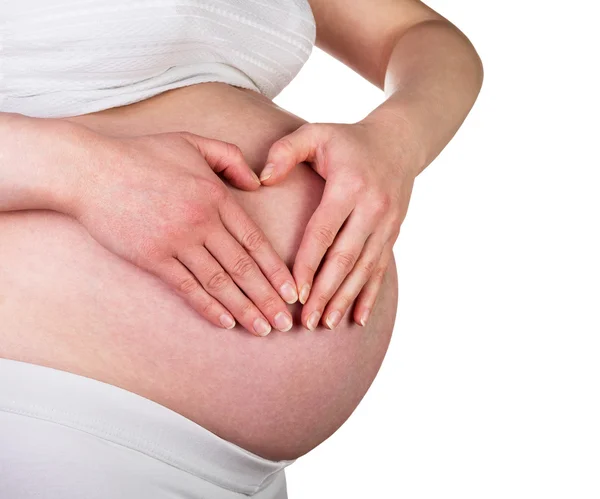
x=341 y=193
x=233 y=150
x=149 y=252
x=243 y=267
x=269 y=302
x=312 y=269
x=187 y=286
x=344 y=261
x=304 y=268
x=283 y=146
x=207 y=308
x=357 y=184
x=192 y=215
x=382 y=203
x=217 y=282
x=393 y=227
x=323 y=298
x=216 y=192
x=275 y=273
x=247 y=309
x=253 y=239
x=197 y=188
x=369 y=266
x=379 y=273
x=343 y=302
x=324 y=235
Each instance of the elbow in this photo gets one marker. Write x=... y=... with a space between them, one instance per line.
x=478 y=65
x=475 y=63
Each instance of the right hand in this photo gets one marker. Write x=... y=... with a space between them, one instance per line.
x=157 y=202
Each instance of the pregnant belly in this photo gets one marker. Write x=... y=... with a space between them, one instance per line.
x=67 y=303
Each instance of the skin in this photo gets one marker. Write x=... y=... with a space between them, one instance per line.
x=181 y=224
x=432 y=76
x=282 y=395
x=68 y=303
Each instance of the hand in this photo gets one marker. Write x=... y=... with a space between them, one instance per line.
x=350 y=236
x=156 y=202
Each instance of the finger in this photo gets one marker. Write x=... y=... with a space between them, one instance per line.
x=320 y=234
x=254 y=241
x=227 y=159
x=347 y=293
x=219 y=284
x=368 y=295
x=176 y=275
x=339 y=261
x=247 y=275
x=300 y=145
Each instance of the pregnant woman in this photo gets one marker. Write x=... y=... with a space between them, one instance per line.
x=170 y=325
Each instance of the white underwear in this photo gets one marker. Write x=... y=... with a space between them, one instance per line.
x=64 y=436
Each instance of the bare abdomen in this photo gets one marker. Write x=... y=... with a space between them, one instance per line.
x=67 y=303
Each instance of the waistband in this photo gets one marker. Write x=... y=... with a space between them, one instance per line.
x=130 y=420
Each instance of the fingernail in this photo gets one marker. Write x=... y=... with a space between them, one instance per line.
x=227 y=321
x=267 y=172
x=255 y=176
x=365 y=317
x=289 y=293
x=262 y=327
x=313 y=320
x=283 y=322
x=333 y=319
x=304 y=292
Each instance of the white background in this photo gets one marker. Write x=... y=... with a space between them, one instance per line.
x=491 y=385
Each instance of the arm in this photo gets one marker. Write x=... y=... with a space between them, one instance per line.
x=31 y=177
x=431 y=75
x=428 y=68
x=157 y=202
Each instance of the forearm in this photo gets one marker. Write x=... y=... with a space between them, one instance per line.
x=38 y=163
x=433 y=78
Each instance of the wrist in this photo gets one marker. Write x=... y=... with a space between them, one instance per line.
x=47 y=156
x=402 y=134
x=73 y=160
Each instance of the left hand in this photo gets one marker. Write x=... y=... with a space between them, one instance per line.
x=369 y=174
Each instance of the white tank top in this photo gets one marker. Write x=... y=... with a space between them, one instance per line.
x=68 y=57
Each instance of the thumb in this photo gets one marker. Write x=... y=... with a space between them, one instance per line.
x=227 y=159
x=287 y=152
